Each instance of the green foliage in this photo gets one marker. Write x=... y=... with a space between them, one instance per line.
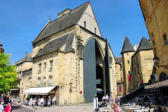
x=8 y=74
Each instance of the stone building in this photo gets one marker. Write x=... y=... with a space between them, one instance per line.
x=127 y=53
x=155 y=14
x=142 y=64
x=137 y=64
x=1 y=48
x=70 y=54
x=119 y=73
x=24 y=70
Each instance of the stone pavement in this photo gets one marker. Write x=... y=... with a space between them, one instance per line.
x=75 y=108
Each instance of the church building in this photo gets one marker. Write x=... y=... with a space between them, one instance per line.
x=71 y=59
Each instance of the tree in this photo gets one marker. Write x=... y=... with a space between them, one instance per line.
x=8 y=74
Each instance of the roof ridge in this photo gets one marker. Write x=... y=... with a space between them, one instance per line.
x=62 y=22
x=87 y=3
x=72 y=10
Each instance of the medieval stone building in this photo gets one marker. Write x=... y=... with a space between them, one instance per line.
x=24 y=70
x=142 y=64
x=71 y=56
x=137 y=64
x=127 y=52
x=155 y=15
x=120 y=79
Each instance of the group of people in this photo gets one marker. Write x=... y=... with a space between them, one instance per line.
x=41 y=101
x=5 y=103
x=8 y=108
x=107 y=101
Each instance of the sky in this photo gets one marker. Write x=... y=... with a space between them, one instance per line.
x=22 y=20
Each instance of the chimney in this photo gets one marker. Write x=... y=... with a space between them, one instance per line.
x=64 y=12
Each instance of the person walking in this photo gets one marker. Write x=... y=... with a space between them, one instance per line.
x=8 y=107
x=1 y=107
x=54 y=100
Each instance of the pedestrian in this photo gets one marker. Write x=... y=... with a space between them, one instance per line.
x=54 y=100
x=30 y=102
x=107 y=98
x=1 y=107
x=95 y=103
x=8 y=107
x=104 y=98
x=49 y=101
x=42 y=102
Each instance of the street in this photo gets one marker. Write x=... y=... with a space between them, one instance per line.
x=20 y=108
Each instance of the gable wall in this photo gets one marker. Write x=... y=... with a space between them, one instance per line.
x=90 y=19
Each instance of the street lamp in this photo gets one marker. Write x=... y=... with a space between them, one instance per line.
x=157 y=63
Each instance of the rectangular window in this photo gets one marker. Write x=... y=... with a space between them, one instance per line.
x=45 y=65
x=51 y=65
x=39 y=83
x=39 y=71
x=50 y=80
x=44 y=81
x=165 y=39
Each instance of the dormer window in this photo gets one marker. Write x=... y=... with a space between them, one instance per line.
x=84 y=24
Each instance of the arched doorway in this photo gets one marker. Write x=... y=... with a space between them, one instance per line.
x=93 y=68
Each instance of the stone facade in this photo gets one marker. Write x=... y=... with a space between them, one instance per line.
x=155 y=14
x=120 y=79
x=142 y=65
x=137 y=65
x=58 y=59
x=24 y=70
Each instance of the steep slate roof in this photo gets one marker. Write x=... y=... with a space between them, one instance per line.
x=56 y=44
x=127 y=47
x=144 y=44
x=27 y=58
x=63 y=22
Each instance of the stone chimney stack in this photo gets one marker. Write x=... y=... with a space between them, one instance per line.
x=1 y=49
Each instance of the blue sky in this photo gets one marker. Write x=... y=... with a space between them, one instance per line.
x=22 y=20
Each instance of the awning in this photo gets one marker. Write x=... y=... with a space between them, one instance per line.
x=157 y=85
x=39 y=91
x=14 y=89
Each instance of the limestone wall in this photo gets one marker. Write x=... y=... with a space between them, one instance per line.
x=146 y=64
x=156 y=16
x=126 y=58
x=91 y=23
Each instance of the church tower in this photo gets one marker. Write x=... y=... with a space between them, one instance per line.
x=127 y=52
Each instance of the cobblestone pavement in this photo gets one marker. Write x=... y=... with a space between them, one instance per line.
x=20 y=108
x=75 y=108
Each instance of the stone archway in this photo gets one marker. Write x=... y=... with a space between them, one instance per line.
x=93 y=71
